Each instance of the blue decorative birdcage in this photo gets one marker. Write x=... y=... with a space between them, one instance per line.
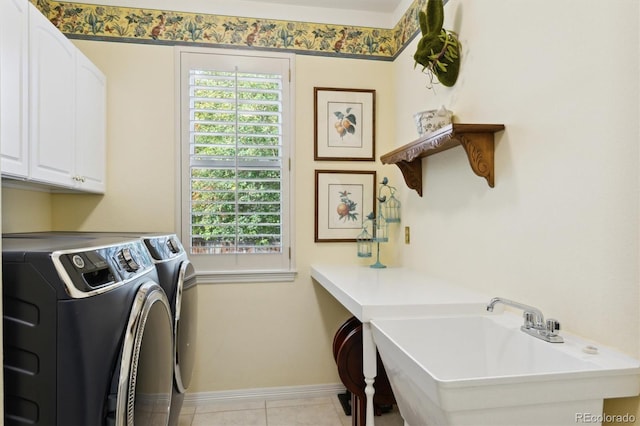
x=388 y=212
x=364 y=240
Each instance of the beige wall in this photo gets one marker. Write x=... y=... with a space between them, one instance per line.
x=141 y=161
x=263 y=335
x=559 y=230
x=251 y=335
x=25 y=211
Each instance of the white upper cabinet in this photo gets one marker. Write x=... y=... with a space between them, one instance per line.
x=61 y=140
x=14 y=84
x=52 y=102
x=91 y=125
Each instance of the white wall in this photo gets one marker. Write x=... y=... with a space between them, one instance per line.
x=560 y=229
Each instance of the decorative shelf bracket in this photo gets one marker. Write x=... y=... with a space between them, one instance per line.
x=480 y=151
x=412 y=172
x=478 y=141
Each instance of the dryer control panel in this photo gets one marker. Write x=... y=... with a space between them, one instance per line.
x=163 y=247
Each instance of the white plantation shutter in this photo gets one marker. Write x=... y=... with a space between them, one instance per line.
x=236 y=162
x=235 y=142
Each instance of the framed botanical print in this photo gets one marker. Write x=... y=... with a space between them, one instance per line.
x=344 y=124
x=343 y=199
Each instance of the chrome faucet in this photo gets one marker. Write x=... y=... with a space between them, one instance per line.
x=534 y=323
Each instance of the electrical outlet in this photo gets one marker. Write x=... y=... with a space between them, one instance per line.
x=407 y=235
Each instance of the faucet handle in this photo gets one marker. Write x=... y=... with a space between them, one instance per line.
x=529 y=319
x=552 y=326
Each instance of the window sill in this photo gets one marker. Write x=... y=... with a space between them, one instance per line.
x=230 y=277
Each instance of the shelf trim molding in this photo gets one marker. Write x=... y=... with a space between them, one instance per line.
x=477 y=140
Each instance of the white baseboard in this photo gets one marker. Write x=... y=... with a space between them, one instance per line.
x=283 y=392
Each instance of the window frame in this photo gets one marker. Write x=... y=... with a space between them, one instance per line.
x=226 y=268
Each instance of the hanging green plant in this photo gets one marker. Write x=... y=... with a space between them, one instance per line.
x=438 y=50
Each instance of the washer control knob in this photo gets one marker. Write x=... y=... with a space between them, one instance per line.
x=78 y=261
x=173 y=245
x=127 y=260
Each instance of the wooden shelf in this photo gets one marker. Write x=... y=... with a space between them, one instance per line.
x=476 y=139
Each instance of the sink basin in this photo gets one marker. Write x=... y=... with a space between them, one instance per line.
x=483 y=370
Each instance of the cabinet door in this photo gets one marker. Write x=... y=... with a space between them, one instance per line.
x=52 y=100
x=14 y=83
x=91 y=97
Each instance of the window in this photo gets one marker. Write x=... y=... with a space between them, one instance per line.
x=235 y=148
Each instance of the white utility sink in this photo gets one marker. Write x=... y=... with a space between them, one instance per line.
x=483 y=370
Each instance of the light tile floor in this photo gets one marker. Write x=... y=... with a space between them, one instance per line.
x=325 y=411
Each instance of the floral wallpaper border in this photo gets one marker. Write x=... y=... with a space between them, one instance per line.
x=121 y=24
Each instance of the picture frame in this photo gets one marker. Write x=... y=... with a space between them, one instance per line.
x=343 y=200
x=344 y=124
